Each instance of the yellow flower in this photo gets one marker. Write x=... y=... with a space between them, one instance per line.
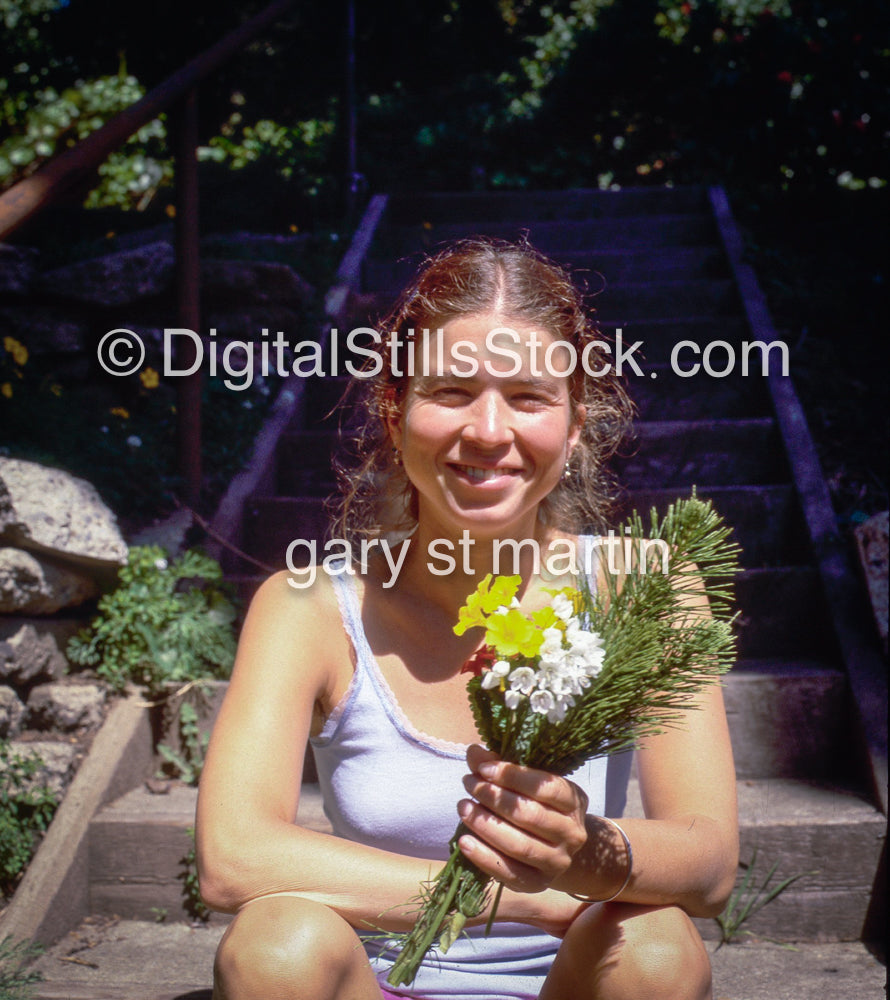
x=149 y=378
x=6 y=390
x=485 y=599
x=119 y=411
x=55 y=389
x=18 y=351
x=512 y=633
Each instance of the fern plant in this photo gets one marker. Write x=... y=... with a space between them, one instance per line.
x=166 y=622
x=26 y=809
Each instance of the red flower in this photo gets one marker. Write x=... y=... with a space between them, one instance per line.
x=685 y=9
x=785 y=77
x=481 y=660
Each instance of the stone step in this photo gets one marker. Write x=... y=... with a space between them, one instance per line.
x=107 y=959
x=137 y=844
x=666 y=395
x=678 y=453
x=764 y=519
x=594 y=268
x=555 y=237
x=577 y=204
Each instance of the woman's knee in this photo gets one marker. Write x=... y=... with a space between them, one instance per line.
x=289 y=948
x=624 y=952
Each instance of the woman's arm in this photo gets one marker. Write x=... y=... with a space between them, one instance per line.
x=292 y=647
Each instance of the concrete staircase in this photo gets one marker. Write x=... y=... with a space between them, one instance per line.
x=808 y=777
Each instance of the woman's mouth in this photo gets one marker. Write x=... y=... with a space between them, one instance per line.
x=482 y=474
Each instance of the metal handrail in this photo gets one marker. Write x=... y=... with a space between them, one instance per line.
x=71 y=169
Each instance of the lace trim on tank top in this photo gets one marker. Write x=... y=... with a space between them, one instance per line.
x=366 y=662
x=366 y=665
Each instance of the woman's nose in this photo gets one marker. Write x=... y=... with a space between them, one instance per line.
x=489 y=422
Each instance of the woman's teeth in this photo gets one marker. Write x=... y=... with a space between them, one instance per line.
x=480 y=475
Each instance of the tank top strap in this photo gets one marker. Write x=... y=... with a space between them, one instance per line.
x=351 y=614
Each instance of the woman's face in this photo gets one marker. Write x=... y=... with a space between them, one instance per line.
x=486 y=426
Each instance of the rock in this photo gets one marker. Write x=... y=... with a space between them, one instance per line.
x=18 y=267
x=44 y=329
x=48 y=510
x=248 y=324
x=872 y=542
x=58 y=763
x=11 y=713
x=27 y=657
x=32 y=585
x=65 y=707
x=258 y=282
x=115 y=279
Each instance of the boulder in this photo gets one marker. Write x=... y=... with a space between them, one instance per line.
x=48 y=510
x=65 y=707
x=58 y=762
x=31 y=585
x=11 y=713
x=256 y=282
x=44 y=329
x=27 y=657
x=116 y=279
x=18 y=268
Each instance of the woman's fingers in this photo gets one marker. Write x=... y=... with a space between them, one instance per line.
x=525 y=825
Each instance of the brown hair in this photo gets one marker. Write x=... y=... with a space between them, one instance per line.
x=473 y=277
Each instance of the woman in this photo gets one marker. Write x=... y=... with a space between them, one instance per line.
x=458 y=460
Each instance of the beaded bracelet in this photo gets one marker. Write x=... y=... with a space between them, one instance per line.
x=630 y=867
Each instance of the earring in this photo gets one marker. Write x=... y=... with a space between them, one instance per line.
x=396 y=456
x=567 y=471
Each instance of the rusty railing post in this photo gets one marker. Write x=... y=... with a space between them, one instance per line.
x=188 y=290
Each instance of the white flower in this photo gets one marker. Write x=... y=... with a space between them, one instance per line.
x=558 y=712
x=134 y=442
x=512 y=699
x=160 y=564
x=522 y=680
x=542 y=702
x=492 y=678
x=562 y=607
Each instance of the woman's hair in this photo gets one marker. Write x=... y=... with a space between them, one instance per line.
x=472 y=277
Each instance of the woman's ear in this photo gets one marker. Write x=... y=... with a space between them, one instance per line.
x=393 y=422
x=577 y=426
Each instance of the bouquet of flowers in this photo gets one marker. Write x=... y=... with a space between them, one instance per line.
x=589 y=674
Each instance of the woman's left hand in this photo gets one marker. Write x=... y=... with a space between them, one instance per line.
x=526 y=825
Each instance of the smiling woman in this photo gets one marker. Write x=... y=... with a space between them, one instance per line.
x=485 y=452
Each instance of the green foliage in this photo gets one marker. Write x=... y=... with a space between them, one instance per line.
x=748 y=898
x=300 y=152
x=16 y=982
x=187 y=762
x=26 y=809
x=195 y=907
x=166 y=622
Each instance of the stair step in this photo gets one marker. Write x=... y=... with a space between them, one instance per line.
x=555 y=237
x=136 y=846
x=580 y=203
x=764 y=518
x=788 y=719
x=669 y=396
x=677 y=453
x=772 y=602
x=804 y=828
x=141 y=960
